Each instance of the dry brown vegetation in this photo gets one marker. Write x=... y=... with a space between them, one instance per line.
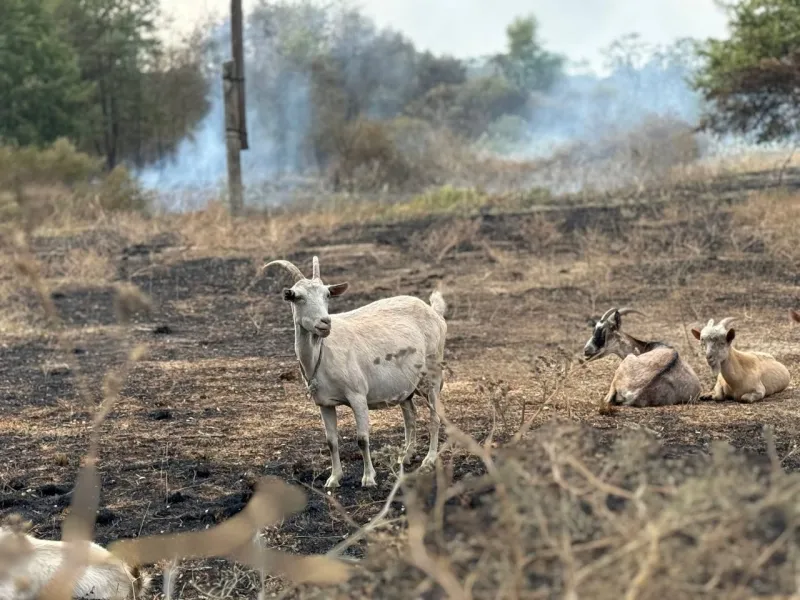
x=535 y=496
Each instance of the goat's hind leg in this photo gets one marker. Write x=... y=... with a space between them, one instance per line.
x=361 y=414
x=431 y=394
x=332 y=436
x=410 y=426
x=754 y=396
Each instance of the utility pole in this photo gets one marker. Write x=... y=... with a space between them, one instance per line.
x=235 y=116
x=237 y=42
x=232 y=137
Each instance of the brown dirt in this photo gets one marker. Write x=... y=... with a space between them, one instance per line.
x=218 y=400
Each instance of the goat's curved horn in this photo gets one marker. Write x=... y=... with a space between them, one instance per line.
x=726 y=322
x=631 y=311
x=608 y=313
x=315 y=268
x=296 y=273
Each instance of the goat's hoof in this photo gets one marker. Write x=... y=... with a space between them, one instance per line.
x=368 y=481
x=428 y=463
x=333 y=482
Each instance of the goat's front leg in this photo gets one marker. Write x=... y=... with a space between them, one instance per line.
x=718 y=393
x=361 y=414
x=607 y=403
x=332 y=436
x=410 y=426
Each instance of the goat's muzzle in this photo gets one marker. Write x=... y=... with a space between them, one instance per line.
x=323 y=327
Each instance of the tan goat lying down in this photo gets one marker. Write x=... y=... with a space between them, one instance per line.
x=651 y=373
x=741 y=376
x=28 y=563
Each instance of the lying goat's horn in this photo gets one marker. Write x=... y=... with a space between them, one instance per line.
x=296 y=273
x=630 y=311
x=608 y=313
x=726 y=322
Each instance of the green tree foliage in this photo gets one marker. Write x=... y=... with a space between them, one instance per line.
x=526 y=64
x=146 y=98
x=751 y=80
x=469 y=108
x=41 y=93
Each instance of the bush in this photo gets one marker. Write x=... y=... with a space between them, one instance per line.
x=401 y=155
x=58 y=180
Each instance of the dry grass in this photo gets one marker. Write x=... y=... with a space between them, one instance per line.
x=769 y=219
x=517 y=508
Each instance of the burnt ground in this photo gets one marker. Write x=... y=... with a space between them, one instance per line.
x=218 y=400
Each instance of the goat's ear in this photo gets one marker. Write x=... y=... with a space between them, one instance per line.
x=730 y=336
x=617 y=320
x=795 y=315
x=288 y=294
x=337 y=289
x=696 y=333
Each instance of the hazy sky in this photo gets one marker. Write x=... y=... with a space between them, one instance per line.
x=577 y=28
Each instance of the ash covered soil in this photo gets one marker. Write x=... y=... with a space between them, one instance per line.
x=219 y=402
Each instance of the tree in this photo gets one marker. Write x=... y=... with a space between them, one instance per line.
x=527 y=65
x=116 y=45
x=751 y=81
x=41 y=93
x=469 y=108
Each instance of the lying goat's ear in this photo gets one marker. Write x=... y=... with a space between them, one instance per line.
x=337 y=289
x=696 y=333
x=730 y=336
x=289 y=295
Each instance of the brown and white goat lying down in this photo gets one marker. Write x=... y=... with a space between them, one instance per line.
x=27 y=564
x=651 y=373
x=741 y=376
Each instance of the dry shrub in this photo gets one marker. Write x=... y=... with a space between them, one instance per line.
x=366 y=159
x=646 y=155
x=453 y=237
x=401 y=155
x=769 y=220
x=579 y=512
x=59 y=181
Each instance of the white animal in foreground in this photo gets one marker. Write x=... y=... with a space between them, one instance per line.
x=376 y=356
x=651 y=373
x=741 y=376
x=28 y=563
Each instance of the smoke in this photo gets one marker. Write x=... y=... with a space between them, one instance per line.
x=294 y=48
x=278 y=108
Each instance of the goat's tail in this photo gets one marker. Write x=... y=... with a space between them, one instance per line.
x=438 y=304
x=141 y=582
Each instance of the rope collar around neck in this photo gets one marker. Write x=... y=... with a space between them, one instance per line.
x=311 y=383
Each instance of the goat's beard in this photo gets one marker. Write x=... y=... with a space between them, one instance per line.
x=715 y=368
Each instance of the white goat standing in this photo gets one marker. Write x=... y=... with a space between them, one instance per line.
x=28 y=564
x=375 y=356
x=741 y=376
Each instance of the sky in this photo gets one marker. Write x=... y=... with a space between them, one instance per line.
x=466 y=28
